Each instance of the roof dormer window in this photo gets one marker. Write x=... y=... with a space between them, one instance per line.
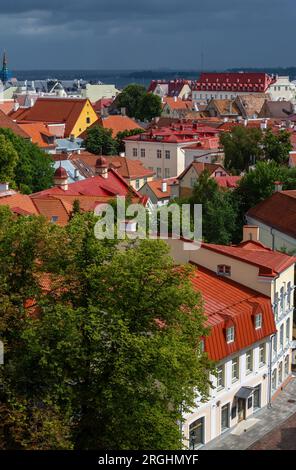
x=223 y=270
x=230 y=334
x=258 y=321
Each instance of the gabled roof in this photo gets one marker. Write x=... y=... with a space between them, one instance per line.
x=270 y=263
x=250 y=105
x=227 y=302
x=200 y=167
x=54 y=209
x=177 y=103
x=156 y=185
x=277 y=211
x=224 y=107
x=55 y=110
x=7 y=123
x=18 y=203
x=174 y=87
x=39 y=133
x=276 y=109
x=127 y=168
x=95 y=186
x=7 y=106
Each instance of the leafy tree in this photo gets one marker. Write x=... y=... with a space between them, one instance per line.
x=130 y=98
x=123 y=134
x=106 y=351
x=149 y=107
x=139 y=103
x=258 y=184
x=8 y=160
x=242 y=147
x=34 y=169
x=219 y=210
x=100 y=141
x=276 y=147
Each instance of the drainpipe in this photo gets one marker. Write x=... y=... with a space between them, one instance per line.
x=270 y=372
x=272 y=236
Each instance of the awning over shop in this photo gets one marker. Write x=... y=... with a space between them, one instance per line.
x=244 y=392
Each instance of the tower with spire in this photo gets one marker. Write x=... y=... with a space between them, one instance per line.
x=5 y=74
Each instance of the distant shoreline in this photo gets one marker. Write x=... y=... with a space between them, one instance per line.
x=123 y=77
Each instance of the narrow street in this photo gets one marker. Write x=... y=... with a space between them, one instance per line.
x=268 y=429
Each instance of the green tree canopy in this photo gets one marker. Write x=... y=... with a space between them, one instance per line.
x=149 y=107
x=258 y=184
x=219 y=210
x=34 y=168
x=242 y=147
x=276 y=147
x=123 y=134
x=8 y=160
x=138 y=103
x=100 y=141
x=108 y=351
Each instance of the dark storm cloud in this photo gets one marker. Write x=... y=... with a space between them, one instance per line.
x=152 y=33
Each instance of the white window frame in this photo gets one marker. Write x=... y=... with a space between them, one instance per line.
x=249 y=354
x=221 y=377
x=230 y=334
x=258 y=321
x=262 y=348
x=235 y=364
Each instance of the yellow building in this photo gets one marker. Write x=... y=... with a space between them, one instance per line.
x=76 y=114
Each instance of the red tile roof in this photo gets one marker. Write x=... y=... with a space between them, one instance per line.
x=156 y=186
x=39 y=133
x=229 y=303
x=116 y=123
x=234 y=81
x=7 y=123
x=176 y=133
x=277 y=211
x=227 y=181
x=207 y=143
x=270 y=263
x=53 y=207
x=55 y=110
x=200 y=167
x=7 y=106
x=177 y=103
x=103 y=103
x=18 y=203
x=174 y=86
x=127 y=168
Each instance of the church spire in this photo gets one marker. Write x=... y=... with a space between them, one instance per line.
x=4 y=62
x=5 y=74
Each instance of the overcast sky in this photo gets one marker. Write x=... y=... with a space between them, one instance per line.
x=147 y=34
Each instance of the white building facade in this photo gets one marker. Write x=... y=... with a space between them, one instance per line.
x=250 y=378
